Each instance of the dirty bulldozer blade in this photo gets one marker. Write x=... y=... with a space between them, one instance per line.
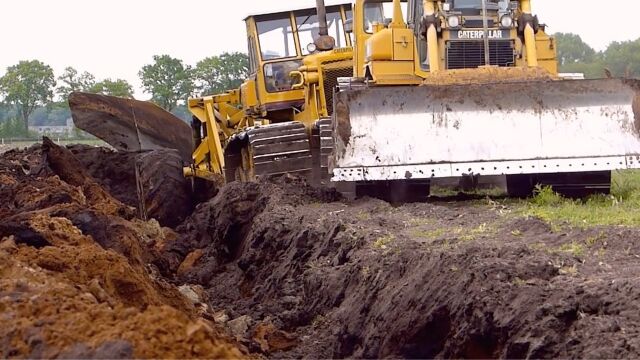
x=527 y=127
x=280 y=149
x=130 y=125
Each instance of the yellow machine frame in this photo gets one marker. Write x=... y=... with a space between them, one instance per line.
x=388 y=56
x=217 y=118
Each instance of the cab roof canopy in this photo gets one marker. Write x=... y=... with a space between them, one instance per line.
x=281 y=12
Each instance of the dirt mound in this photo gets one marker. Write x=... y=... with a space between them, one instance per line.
x=114 y=171
x=292 y=271
x=166 y=193
x=74 y=275
x=368 y=280
x=216 y=231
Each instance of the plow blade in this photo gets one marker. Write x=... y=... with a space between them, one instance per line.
x=440 y=131
x=130 y=125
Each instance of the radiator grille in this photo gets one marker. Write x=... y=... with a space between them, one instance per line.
x=478 y=23
x=331 y=73
x=470 y=54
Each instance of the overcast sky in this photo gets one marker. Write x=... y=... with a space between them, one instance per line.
x=115 y=38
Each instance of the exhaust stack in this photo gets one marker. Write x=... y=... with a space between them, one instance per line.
x=324 y=42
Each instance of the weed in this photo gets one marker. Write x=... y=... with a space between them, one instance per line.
x=383 y=242
x=545 y=196
x=592 y=241
x=420 y=221
x=483 y=229
x=364 y=216
x=569 y=270
x=429 y=234
x=574 y=249
x=538 y=246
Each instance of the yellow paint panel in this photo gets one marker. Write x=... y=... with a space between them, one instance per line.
x=403 y=48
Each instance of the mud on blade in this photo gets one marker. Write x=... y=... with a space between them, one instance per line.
x=130 y=125
x=393 y=133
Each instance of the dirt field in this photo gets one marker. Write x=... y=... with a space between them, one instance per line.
x=281 y=270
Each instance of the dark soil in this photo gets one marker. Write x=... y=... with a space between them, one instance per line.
x=115 y=171
x=419 y=281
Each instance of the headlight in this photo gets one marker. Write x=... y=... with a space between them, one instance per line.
x=453 y=21
x=311 y=48
x=506 y=21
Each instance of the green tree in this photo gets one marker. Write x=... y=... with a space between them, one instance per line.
x=72 y=82
x=118 y=87
x=27 y=85
x=572 y=50
x=623 y=58
x=13 y=128
x=168 y=81
x=217 y=74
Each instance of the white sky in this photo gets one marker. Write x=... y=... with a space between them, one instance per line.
x=115 y=38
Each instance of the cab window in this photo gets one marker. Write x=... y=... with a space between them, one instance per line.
x=277 y=76
x=276 y=39
x=308 y=29
x=380 y=12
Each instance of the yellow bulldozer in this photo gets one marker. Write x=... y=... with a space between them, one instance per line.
x=382 y=97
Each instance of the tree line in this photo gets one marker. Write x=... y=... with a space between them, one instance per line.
x=620 y=59
x=30 y=93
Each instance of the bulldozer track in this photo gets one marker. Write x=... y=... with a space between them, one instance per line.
x=279 y=149
x=322 y=148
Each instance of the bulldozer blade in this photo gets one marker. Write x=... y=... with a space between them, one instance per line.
x=130 y=125
x=526 y=127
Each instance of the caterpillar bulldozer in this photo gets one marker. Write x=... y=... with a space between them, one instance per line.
x=381 y=97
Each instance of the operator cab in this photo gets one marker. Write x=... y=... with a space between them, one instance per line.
x=277 y=44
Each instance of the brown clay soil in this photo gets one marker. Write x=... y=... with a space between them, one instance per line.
x=281 y=270
x=74 y=274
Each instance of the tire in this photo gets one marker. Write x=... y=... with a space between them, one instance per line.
x=164 y=193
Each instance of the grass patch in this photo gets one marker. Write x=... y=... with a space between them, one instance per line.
x=619 y=208
x=444 y=192
x=573 y=248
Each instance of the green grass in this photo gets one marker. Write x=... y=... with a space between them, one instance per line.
x=440 y=191
x=25 y=144
x=620 y=208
